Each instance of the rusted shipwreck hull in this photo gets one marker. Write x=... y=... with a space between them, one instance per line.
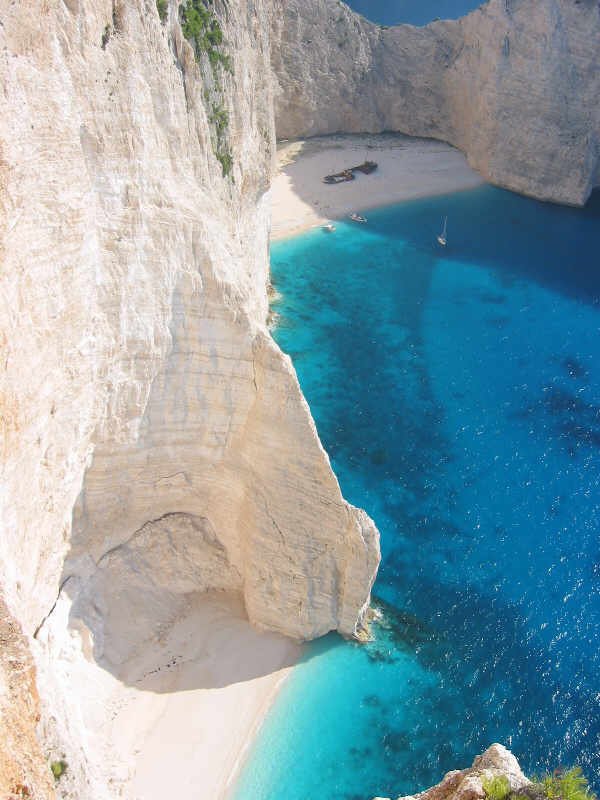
x=348 y=174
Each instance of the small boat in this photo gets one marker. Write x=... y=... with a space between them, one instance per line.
x=357 y=217
x=329 y=228
x=442 y=237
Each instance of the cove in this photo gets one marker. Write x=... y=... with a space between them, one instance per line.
x=396 y=12
x=457 y=392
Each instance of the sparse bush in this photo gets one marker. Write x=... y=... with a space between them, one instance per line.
x=58 y=769
x=220 y=119
x=569 y=784
x=496 y=788
x=226 y=161
x=203 y=31
x=162 y=6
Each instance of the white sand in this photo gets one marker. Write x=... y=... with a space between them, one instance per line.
x=176 y=720
x=408 y=168
x=199 y=716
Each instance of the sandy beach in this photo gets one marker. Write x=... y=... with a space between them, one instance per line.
x=201 y=715
x=177 y=718
x=407 y=168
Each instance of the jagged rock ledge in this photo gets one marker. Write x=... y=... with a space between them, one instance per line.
x=467 y=784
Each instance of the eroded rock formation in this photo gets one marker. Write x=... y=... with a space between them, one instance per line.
x=467 y=784
x=514 y=85
x=155 y=441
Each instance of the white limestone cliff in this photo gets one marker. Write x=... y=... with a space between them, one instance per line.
x=155 y=441
x=514 y=85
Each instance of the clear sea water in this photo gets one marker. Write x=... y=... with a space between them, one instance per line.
x=457 y=392
x=394 y=12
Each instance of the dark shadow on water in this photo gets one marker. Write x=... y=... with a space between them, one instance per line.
x=563 y=416
x=520 y=238
x=496 y=678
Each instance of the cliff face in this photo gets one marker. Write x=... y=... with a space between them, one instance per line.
x=155 y=441
x=514 y=85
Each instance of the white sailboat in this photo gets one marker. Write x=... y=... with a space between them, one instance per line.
x=442 y=237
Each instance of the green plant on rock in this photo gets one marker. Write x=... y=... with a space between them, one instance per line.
x=226 y=160
x=569 y=784
x=220 y=119
x=203 y=31
x=496 y=788
x=58 y=769
x=162 y=6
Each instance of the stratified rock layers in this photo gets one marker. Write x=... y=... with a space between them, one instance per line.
x=514 y=85
x=154 y=441
x=139 y=384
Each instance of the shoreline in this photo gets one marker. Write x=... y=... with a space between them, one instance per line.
x=181 y=711
x=269 y=698
x=203 y=718
x=408 y=169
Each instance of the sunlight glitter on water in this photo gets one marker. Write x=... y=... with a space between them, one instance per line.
x=457 y=392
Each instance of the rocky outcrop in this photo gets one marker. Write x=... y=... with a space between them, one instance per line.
x=23 y=770
x=514 y=85
x=155 y=441
x=467 y=784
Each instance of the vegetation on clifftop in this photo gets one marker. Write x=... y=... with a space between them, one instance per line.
x=569 y=784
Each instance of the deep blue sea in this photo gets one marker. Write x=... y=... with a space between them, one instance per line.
x=420 y=12
x=457 y=392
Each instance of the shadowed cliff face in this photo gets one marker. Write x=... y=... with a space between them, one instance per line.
x=514 y=85
x=150 y=425
x=139 y=379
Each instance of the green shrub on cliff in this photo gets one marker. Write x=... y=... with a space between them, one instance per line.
x=203 y=31
x=162 y=6
x=568 y=785
x=496 y=788
x=58 y=769
x=226 y=160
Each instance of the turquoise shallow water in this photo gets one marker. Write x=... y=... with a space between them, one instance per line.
x=394 y=12
x=457 y=392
